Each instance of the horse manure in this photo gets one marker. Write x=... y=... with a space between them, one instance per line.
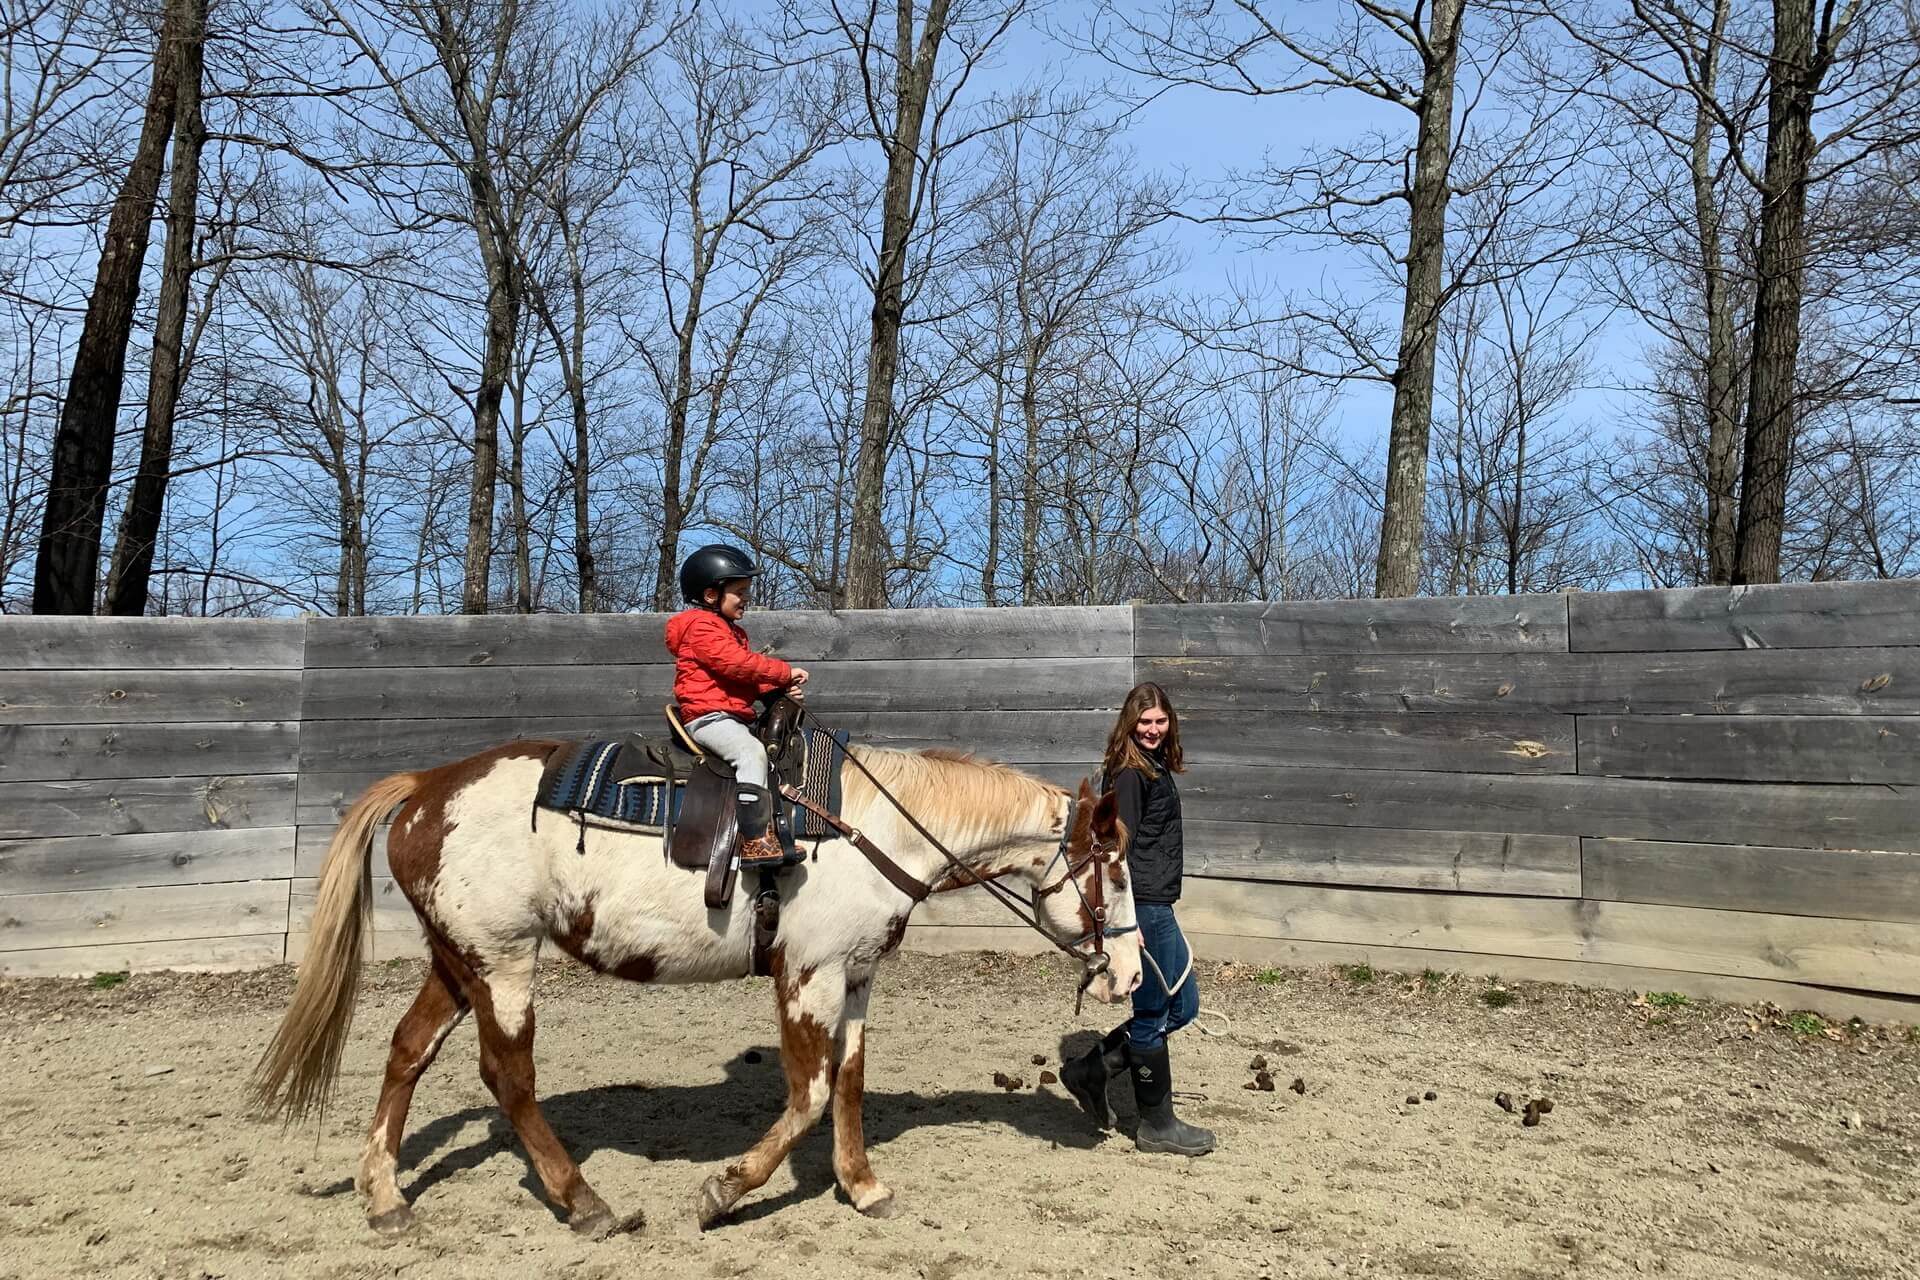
x=1251 y=1085
x=1299 y=1086
x=1431 y=1096
x=1014 y=1082
x=1413 y=1099
x=1000 y=1079
x=1532 y=1116
x=1263 y=1081
x=1259 y=1063
x=1504 y=1101
x=1047 y=1077
x=1039 y=1059
x=751 y=1057
x=1545 y=1105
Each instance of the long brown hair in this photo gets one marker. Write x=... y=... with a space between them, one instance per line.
x=1124 y=753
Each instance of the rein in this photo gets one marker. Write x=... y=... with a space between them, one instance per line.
x=1093 y=963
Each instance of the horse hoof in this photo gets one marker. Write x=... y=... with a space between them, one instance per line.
x=593 y=1220
x=715 y=1202
x=884 y=1207
x=394 y=1222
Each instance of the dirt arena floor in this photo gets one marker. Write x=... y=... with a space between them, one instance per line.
x=1686 y=1139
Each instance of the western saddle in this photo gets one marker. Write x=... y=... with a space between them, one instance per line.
x=671 y=786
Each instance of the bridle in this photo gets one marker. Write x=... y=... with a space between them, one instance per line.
x=1100 y=856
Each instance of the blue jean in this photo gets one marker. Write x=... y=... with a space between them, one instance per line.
x=1156 y=1015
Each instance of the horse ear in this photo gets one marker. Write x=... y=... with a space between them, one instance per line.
x=1106 y=817
x=1086 y=791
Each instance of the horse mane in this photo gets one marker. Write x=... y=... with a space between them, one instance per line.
x=979 y=801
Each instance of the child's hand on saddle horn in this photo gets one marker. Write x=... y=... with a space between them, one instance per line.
x=794 y=690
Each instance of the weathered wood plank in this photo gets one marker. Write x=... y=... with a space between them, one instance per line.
x=310 y=850
x=1755 y=682
x=637 y=693
x=125 y=697
x=55 y=643
x=1831 y=1002
x=1380 y=857
x=1443 y=624
x=1753 y=748
x=382 y=945
x=1538 y=743
x=126 y=806
x=1814 y=816
x=250 y=951
x=1794 y=615
x=38 y=920
x=338 y=746
x=391 y=910
x=126 y=862
x=1870 y=955
x=1855 y=884
x=36 y=753
x=803 y=636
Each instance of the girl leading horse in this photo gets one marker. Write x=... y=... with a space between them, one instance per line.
x=489 y=891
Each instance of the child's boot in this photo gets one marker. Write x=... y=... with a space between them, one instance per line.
x=759 y=843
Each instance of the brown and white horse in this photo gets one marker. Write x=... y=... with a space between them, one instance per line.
x=490 y=887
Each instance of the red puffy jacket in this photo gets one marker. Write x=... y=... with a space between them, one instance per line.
x=714 y=669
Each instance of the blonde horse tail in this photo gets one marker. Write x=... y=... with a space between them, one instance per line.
x=295 y=1076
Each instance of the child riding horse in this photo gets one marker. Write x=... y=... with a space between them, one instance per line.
x=488 y=891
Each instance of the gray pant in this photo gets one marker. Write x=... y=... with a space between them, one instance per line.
x=733 y=742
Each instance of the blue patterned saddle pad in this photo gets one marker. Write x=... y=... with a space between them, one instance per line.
x=587 y=781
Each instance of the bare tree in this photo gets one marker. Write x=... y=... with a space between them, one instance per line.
x=127 y=581
x=469 y=88
x=68 y=564
x=741 y=210
x=914 y=113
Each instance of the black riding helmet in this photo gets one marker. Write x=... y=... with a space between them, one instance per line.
x=712 y=565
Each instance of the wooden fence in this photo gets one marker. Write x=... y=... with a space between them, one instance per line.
x=1711 y=791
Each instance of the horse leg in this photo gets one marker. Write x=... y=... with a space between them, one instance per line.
x=422 y=1030
x=502 y=999
x=869 y=1195
x=810 y=1008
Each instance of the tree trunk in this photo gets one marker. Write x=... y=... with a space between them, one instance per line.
x=673 y=514
x=133 y=548
x=1722 y=402
x=503 y=325
x=913 y=85
x=517 y=496
x=1402 y=524
x=1794 y=75
x=68 y=564
x=585 y=571
x=1030 y=506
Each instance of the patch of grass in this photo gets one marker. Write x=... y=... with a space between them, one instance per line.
x=1913 y=1035
x=1269 y=977
x=1357 y=973
x=1667 y=1000
x=397 y=962
x=1431 y=978
x=1659 y=1020
x=1806 y=1024
x=1498 y=998
x=107 y=981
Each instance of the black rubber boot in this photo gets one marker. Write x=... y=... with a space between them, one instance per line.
x=1088 y=1075
x=1160 y=1129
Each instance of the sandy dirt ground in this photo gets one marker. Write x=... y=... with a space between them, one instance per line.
x=1690 y=1141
